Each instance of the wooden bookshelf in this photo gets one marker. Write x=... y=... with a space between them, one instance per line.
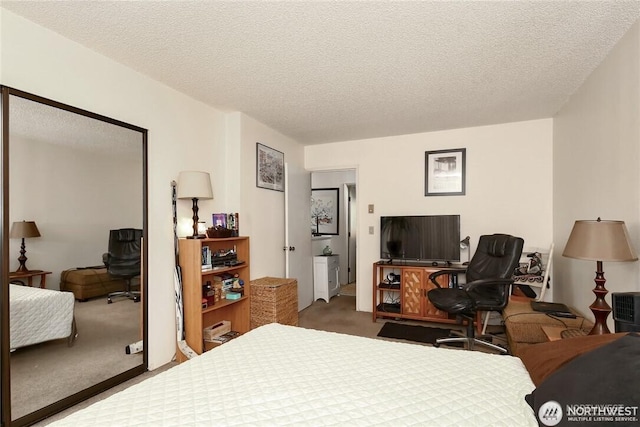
x=197 y=318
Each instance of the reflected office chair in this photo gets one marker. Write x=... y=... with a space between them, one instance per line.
x=124 y=259
x=489 y=277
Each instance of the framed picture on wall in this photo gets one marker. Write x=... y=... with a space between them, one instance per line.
x=325 y=208
x=269 y=168
x=445 y=172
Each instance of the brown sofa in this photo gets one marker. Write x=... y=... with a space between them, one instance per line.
x=90 y=282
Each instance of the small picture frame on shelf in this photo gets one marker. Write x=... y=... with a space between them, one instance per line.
x=219 y=220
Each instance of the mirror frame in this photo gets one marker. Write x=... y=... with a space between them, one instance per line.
x=5 y=368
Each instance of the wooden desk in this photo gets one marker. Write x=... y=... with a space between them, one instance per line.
x=29 y=275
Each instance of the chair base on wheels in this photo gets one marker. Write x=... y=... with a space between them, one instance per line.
x=128 y=293
x=135 y=296
x=470 y=338
x=470 y=343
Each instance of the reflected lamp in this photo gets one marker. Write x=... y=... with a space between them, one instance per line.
x=23 y=230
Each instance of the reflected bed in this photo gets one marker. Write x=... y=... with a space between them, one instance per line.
x=39 y=315
x=286 y=375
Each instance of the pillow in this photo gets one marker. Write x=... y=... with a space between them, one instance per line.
x=599 y=387
x=543 y=359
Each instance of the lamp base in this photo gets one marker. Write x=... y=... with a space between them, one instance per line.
x=22 y=259
x=600 y=308
x=22 y=269
x=199 y=236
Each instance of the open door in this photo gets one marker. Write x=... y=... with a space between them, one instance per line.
x=298 y=261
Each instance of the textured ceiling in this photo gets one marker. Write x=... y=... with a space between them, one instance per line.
x=46 y=124
x=333 y=71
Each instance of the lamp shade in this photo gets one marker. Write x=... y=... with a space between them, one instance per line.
x=23 y=229
x=194 y=185
x=464 y=243
x=600 y=241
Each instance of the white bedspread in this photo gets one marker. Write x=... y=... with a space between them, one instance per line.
x=38 y=315
x=283 y=375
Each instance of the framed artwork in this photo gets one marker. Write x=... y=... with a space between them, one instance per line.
x=269 y=168
x=444 y=172
x=325 y=210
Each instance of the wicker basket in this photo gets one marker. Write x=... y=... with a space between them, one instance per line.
x=274 y=300
x=219 y=232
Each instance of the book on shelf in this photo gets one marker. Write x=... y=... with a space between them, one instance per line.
x=206 y=258
x=228 y=336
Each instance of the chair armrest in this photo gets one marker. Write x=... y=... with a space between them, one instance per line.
x=434 y=276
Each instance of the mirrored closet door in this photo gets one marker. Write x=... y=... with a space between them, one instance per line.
x=74 y=191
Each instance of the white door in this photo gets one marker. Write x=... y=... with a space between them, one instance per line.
x=351 y=232
x=298 y=260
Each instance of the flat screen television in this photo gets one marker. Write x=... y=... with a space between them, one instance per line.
x=420 y=238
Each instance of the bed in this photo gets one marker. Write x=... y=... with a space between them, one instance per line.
x=38 y=315
x=279 y=375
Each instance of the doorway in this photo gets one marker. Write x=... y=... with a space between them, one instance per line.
x=344 y=243
x=350 y=287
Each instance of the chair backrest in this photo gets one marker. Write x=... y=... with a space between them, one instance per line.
x=496 y=257
x=124 y=256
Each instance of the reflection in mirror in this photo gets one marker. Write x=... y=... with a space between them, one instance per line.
x=77 y=178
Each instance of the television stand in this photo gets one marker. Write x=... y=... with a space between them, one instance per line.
x=408 y=299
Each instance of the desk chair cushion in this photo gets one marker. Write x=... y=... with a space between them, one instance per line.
x=456 y=301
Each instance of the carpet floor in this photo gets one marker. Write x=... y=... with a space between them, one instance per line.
x=44 y=373
x=423 y=334
x=348 y=290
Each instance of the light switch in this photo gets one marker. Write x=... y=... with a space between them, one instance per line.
x=371 y=229
x=370 y=208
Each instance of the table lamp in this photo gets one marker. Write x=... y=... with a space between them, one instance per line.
x=600 y=241
x=22 y=230
x=466 y=244
x=194 y=185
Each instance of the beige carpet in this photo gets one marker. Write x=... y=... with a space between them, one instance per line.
x=348 y=290
x=44 y=373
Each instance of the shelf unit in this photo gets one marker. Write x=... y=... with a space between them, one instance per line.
x=197 y=318
x=407 y=298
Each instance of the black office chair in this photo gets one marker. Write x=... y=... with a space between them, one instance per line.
x=488 y=282
x=124 y=259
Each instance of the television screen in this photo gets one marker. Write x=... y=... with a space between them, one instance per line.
x=420 y=238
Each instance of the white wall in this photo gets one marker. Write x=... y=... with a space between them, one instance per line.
x=184 y=134
x=508 y=184
x=263 y=209
x=596 y=156
x=339 y=243
x=74 y=216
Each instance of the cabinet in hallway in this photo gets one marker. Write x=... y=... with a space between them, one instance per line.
x=326 y=283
